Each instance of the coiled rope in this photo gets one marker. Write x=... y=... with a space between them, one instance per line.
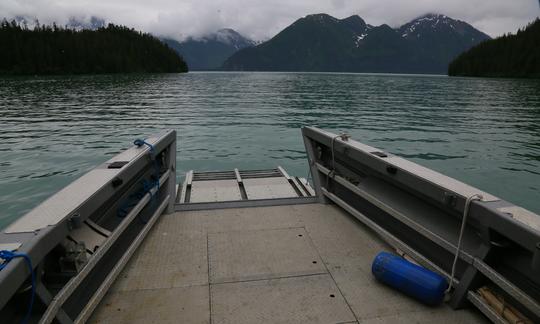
x=7 y=256
x=460 y=239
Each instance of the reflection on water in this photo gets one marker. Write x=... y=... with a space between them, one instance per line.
x=482 y=131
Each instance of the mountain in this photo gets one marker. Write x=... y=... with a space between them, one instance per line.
x=210 y=51
x=507 y=56
x=323 y=43
x=438 y=39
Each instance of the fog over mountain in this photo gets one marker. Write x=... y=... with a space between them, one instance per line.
x=262 y=19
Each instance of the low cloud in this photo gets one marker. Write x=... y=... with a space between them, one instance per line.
x=261 y=20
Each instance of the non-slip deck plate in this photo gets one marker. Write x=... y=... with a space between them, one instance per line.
x=308 y=299
x=169 y=306
x=169 y=258
x=269 y=188
x=214 y=190
x=262 y=254
x=345 y=247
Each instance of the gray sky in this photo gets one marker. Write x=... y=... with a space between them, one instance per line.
x=262 y=19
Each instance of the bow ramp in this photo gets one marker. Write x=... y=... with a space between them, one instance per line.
x=124 y=244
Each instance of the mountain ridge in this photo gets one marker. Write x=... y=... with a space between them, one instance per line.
x=320 y=42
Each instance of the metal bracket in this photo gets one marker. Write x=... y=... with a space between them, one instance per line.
x=75 y=221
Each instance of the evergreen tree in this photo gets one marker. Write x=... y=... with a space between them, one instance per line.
x=57 y=50
x=507 y=56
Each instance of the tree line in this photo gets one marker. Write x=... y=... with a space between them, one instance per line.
x=50 y=49
x=507 y=56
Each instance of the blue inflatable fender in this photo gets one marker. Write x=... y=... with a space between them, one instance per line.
x=413 y=280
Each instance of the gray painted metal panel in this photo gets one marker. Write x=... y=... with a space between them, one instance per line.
x=135 y=152
x=307 y=186
x=91 y=239
x=522 y=215
x=390 y=239
x=62 y=204
x=171 y=164
x=311 y=159
x=437 y=178
x=246 y=203
x=264 y=254
x=213 y=191
x=106 y=284
x=66 y=291
x=425 y=219
x=171 y=256
x=404 y=165
x=287 y=300
x=172 y=305
x=268 y=188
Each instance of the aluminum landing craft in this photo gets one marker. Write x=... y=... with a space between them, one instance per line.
x=125 y=244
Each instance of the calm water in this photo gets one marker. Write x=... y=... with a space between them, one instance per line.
x=481 y=131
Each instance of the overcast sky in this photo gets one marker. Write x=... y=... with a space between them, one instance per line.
x=262 y=19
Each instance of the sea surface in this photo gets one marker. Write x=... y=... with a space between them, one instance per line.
x=485 y=132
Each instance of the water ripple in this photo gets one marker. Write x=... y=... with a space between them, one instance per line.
x=53 y=129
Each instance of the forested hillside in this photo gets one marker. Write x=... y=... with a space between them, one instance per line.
x=507 y=56
x=56 y=50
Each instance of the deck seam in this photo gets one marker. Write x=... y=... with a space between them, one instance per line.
x=273 y=278
x=150 y=289
x=256 y=230
x=209 y=284
x=330 y=274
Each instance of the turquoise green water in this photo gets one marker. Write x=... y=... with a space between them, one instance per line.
x=485 y=132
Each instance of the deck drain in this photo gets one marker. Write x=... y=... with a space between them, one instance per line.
x=314 y=262
x=300 y=235
x=332 y=295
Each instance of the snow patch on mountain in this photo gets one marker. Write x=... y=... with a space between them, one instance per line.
x=359 y=38
x=432 y=21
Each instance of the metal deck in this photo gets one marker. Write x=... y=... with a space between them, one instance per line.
x=308 y=263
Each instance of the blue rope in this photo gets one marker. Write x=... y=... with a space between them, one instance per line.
x=139 y=142
x=147 y=186
x=8 y=256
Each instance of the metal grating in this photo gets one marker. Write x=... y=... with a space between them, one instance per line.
x=240 y=186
